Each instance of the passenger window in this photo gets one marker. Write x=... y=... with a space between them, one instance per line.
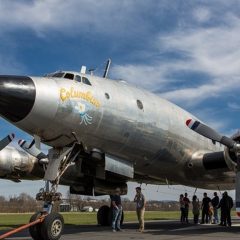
x=139 y=104
x=107 y=96
x=86 y=81
x=78 y=78
x=69 y=76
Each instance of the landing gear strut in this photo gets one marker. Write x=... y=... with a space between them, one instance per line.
x=53 y=224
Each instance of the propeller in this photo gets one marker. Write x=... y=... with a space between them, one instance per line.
x=32 y=149
x=5 y=141
x=234 y=146
x=208 y=132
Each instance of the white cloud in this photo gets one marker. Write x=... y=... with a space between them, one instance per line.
x=71 y=17
x=234 y=106
x=212 y=51
x=210 y=116
x=202 y=14
x=193 y=96
x=144 y=76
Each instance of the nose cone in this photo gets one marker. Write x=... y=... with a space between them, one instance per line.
x=17 y=97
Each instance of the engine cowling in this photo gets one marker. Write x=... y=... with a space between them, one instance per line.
x=230 y=156
x=16 y=164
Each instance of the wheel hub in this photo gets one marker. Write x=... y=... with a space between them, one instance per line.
x=56 y=227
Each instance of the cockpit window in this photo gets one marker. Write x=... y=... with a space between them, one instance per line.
x=77 y=78
x=69 y=76
x=86 y=81
x=58 y=75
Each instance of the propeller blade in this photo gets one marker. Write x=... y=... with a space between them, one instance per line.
x=32 y=149
x=5 y=141
x=208 y=132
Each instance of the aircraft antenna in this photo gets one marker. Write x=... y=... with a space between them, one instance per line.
x=107 y=68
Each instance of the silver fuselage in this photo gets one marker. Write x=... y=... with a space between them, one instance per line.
x=106 y=116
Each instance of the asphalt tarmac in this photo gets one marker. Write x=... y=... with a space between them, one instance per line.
x=164 y=230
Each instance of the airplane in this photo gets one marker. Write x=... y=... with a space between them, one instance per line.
x=103 y=133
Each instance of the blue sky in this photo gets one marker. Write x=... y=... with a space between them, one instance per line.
x=186 y=51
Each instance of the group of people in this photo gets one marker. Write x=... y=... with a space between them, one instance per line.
x=117 y=209
x=209 y=208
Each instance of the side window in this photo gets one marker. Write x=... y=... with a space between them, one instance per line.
x=139 y=104
x=77 y=78
x=86 y=81
x=69 y=76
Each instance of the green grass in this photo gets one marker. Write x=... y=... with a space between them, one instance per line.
x=12 y=220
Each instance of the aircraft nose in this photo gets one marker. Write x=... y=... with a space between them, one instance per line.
x=17 y=97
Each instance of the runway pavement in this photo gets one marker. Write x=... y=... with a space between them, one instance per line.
x=164 y=230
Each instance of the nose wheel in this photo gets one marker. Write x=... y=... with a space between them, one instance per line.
x=50 y=229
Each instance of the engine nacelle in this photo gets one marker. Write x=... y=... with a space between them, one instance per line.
x=16 y=164
x=230 y=156
x=206 y=160
x=215 y=160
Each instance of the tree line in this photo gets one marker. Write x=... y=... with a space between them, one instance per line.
x=24 y=203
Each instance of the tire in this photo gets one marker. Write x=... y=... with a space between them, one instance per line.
x=103 y=215
x=35 y=231
x=52 y=227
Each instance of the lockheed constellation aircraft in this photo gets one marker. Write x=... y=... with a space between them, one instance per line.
x=103 y=133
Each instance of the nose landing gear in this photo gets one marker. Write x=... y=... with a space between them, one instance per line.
x=52 y=226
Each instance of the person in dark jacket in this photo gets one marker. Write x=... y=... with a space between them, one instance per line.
x=205 y=208
x=220 y=205
x=226 y=205
x=186 y=204
x=116 y=206
x=215 y=203
x=195 y=209
x=182 y=208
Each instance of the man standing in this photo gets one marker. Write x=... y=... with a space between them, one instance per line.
x=226 y=205
x=186 y=203
x=229 y=205
x=215 y=203
x=140 y=207
x=205 y=208
x=116 y=206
